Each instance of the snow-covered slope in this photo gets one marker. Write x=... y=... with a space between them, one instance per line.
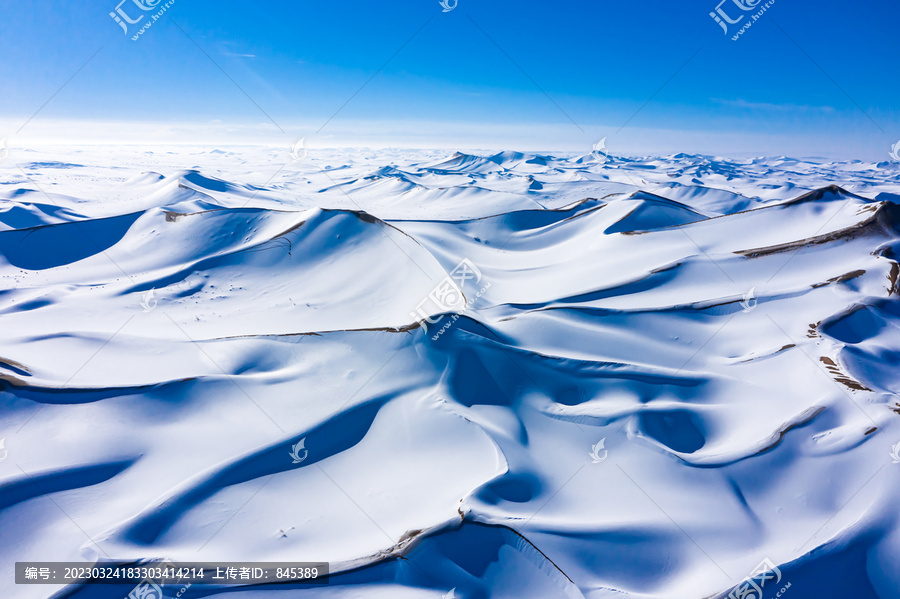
x=513 y=375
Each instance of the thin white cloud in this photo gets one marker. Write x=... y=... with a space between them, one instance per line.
x=741 y=103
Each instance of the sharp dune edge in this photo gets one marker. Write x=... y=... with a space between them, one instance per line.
x=669 y=369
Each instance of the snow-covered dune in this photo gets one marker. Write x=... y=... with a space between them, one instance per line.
x=475 y=376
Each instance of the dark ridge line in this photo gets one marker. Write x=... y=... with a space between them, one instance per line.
x=894 y=279
x=777 y=437
x=13 y=365
x=817 y=194
x=279 y=236
x=227 y=209
x=840 y=376
x=411 y=539
x=402 y=329
x=774 y=353
x=366 y=217
x=841 y=279
x=882 y=218
x=533 y=546
x=18 y=384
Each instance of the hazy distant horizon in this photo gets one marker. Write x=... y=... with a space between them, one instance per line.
x=494 y=75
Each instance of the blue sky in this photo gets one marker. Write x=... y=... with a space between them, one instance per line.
x=544 y=75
